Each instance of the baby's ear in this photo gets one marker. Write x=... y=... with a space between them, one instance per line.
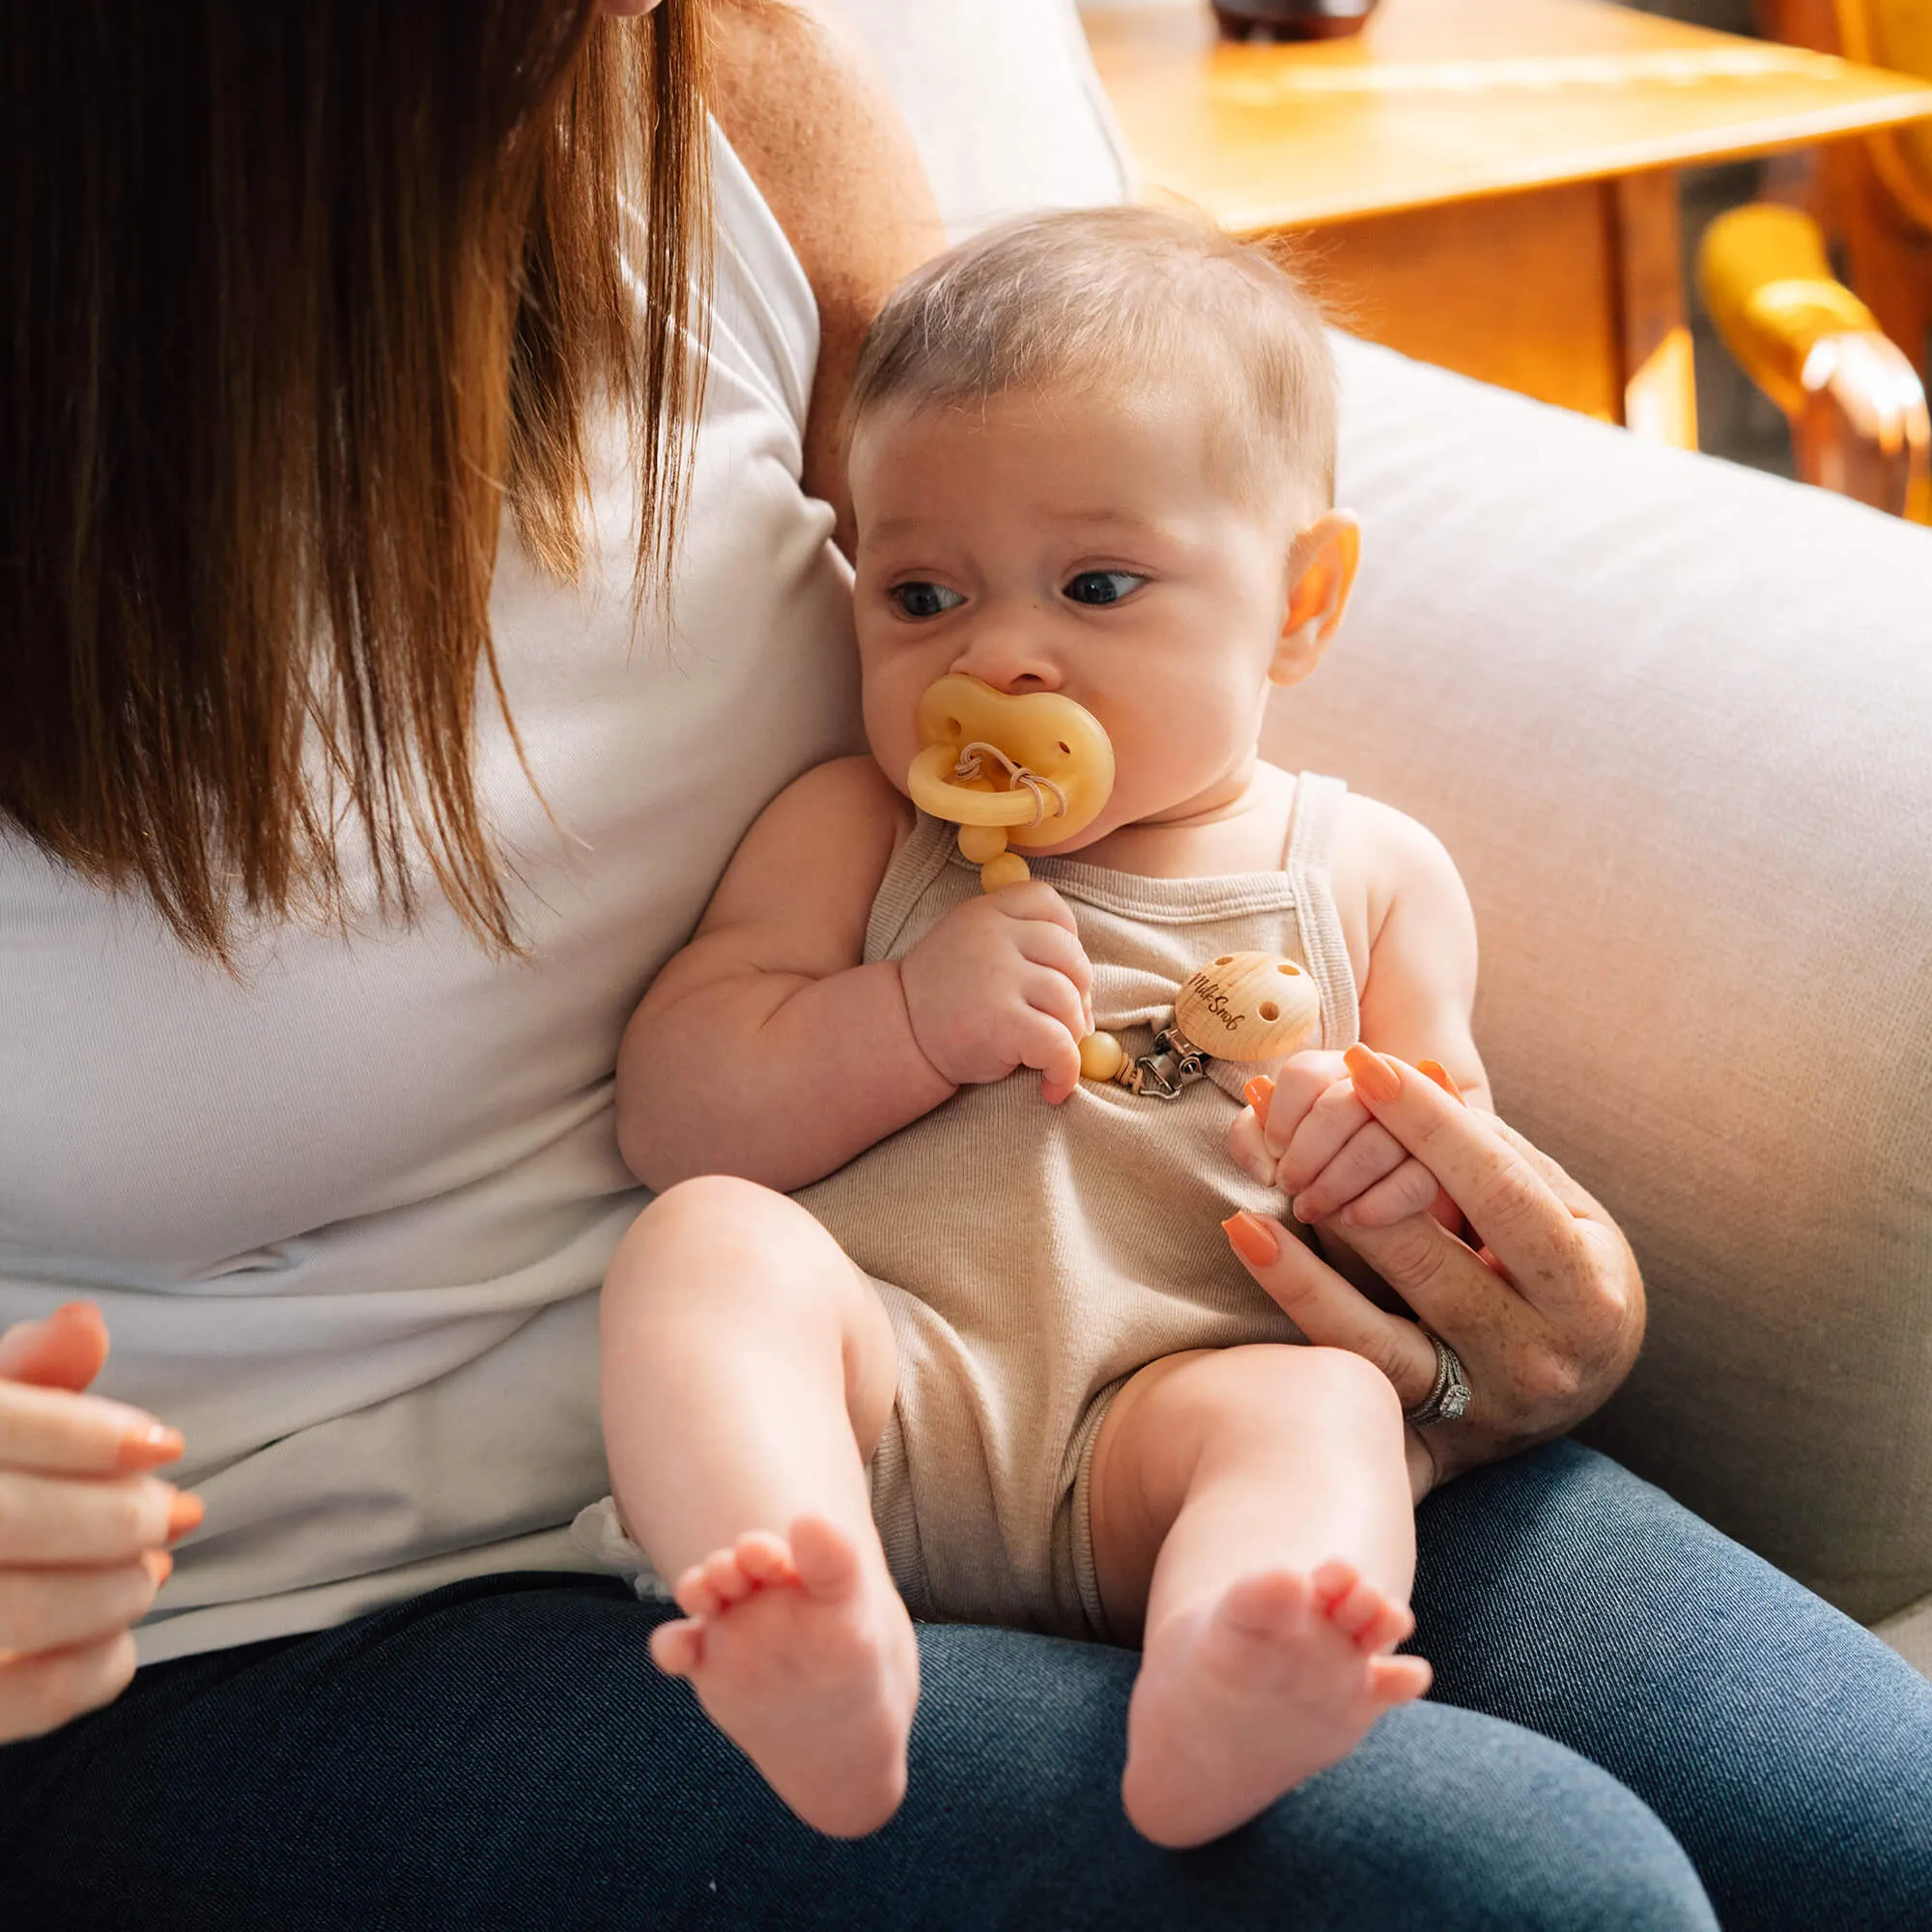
x=1321 y=572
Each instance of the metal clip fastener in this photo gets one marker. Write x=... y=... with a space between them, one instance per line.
x=1174 y=1063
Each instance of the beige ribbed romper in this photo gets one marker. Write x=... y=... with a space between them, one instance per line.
x=1032 y=1258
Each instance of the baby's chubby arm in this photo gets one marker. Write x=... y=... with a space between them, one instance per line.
x=766 y=1048
x=1413 y=935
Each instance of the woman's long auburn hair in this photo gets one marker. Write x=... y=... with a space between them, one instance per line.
x=303 y=295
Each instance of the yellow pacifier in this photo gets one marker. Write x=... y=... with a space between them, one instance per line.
x=1019 y=768
x=1014 y=768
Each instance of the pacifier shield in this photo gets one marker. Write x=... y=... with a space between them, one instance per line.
x=1050 y=769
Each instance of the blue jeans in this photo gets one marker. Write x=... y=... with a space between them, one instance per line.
x=501 y=1753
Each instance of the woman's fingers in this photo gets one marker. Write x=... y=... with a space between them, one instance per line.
x=56 y=1519
x=67 y=1350
x=1582 y=1205
x=55 y=1610
x=1327 y=1310
x=65 y=1433
x=41 y=1691
x=1512 y=1207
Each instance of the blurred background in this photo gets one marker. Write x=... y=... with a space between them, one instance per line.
x=1551 y=195
x=1735 y=418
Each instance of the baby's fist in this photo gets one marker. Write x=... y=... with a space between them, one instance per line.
x=1002 y=981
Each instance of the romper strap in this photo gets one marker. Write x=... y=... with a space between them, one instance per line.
x=1308 y=859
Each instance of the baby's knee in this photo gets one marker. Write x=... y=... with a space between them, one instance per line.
x=718 y=1239
x=1271 y=1379
x=702 y=1220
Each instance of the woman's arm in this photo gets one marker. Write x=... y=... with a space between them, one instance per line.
x=801 y=101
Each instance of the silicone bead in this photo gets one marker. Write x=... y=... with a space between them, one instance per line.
x=981 y=843
x=1101 y=1056
x=1008 y=869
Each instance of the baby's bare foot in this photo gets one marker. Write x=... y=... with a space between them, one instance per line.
x=804 y=1658
x=1242 y=1699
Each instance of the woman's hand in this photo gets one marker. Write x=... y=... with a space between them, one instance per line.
x=1545 y=1313
x=81 y=1523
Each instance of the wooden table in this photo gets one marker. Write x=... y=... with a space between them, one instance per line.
x=1487 y=184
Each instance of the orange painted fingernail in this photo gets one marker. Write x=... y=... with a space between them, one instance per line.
x=185 y=1512
x=148 y=1445
x=1251 y=1237
x=1258 y=1093
x=1442 y=1077
x=1374 y=1077
x=160 y=1565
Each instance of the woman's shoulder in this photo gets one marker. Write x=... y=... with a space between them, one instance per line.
x=809 y=114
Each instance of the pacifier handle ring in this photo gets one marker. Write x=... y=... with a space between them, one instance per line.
x=970 y=764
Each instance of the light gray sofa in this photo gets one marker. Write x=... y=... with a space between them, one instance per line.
x=1674 y=720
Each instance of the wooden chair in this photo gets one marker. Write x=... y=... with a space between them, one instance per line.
x=1847 y=368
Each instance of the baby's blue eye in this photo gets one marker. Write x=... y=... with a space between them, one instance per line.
x=925 y=600
x=1102 y=586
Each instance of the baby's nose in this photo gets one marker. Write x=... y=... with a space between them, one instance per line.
x=1009 y=661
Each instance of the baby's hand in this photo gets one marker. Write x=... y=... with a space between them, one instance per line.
x=1000 y=983
x=1311 y=1137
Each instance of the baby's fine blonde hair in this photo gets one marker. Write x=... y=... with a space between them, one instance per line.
x=1092 y=299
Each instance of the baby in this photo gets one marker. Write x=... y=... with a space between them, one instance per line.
x=994 y=1358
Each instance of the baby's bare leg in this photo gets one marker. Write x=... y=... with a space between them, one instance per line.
x=748 y=1372
x=1251 y=1516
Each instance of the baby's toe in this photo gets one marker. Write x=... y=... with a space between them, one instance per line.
x=694 y=1594
x=678 y=1648
x=1333 y=1581
x=1400 y=1679
x=1386 y=1628
x=724 y=1577
x=1266 y=1604
x=765 y=1558
x=824 y=1557
x=1355 y=1613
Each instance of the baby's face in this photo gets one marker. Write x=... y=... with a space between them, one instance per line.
x=1053 y=542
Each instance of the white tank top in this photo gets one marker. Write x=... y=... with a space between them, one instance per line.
x=346 y=1215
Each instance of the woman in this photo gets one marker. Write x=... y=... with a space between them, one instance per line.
x=340 y=837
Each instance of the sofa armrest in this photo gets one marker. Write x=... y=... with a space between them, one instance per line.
x=1674 y=720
